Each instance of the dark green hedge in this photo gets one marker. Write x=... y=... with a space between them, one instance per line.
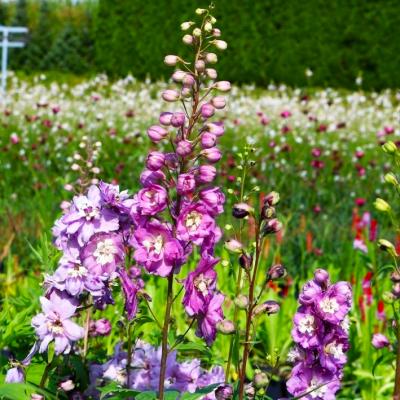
x=268 y=39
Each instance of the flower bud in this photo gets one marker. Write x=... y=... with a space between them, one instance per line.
x=196 y=32
x=268 y=212
x=379 y=341
x=67 y=386
x=200 y=11
x=157 y=133
x=208 y=26
x=216 y=32
x=213 y=154
x=186 y=25
x=272 y=199
x=208 y=140
x=218 y=102
x=216 y=128
x=207 y=110
x=155 y=160
x=15 y=374
x=211 y=73
x=249 y=391
x=188 y=80
x=382 y=205
x=220 y=44
x=277 y=271
x=395 y=276
x=245 y=261
x=268 y=307
x=224 y=392
x=226 y=327
x=211 y=58
x=242 y=301
x=391 y=179
x=179 y=75
x=171 y=60
x=241 y=210
x=261 y=380
x=321 y=276
x=389 y=147
x=35 y=396
x=170 y=95
x=178 y=119
x=206 y=173
x=385 y=245
x=103 y=327
x=223 y=86
x=188 y=39
x=234 y=246
x=184 y=148
x=186 y=92
x=200 y=65
x=396 y=290
x=165 y=118
x=272 y=226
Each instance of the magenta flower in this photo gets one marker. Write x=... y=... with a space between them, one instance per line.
x=379 y=341
x=156 y=249
x=103 y=254
x=152 y=200
x=186 y=184
x=213 y=199
x=207 y=321
x=54 y=323
x=130 y=287
x=200 y=285
x=195 y=224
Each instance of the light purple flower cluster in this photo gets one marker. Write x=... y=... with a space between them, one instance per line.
x=144 y=371
x=321 y=329
x=92 y=234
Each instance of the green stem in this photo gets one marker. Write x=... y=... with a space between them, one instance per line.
x=164 y=343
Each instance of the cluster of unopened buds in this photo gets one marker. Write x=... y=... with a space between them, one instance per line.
x=321 y=334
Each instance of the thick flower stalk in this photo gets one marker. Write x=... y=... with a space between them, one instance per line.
x=321 y=336
x=176 y=209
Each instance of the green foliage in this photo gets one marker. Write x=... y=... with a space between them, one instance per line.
x=268 y=40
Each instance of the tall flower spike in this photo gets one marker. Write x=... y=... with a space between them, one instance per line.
x=321 y=336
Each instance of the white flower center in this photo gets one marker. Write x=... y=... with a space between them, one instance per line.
x=55 y=327
x=193 y=220
x=306 y=324
x=335 y=349
x=293 y=355
x=155 y=245
x=77 y=272
x=320 y=392
x=329 y=305
x=201 y=283
x=105 y=252
x=345 y=324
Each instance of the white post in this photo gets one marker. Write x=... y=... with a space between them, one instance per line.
x=4 y=57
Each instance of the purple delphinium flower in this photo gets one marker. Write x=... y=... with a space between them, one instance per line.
x=54 y=323
x=156 y=249
x=152 y=199
x=87 y=216
x=321 y=330
x=208 y=319
x=131 y=286
x=103 y=254
x=200 y=285
x=185 y=377
x=195 y=224
x=15 y=375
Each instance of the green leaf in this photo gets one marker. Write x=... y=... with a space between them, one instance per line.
x=146 y=396
x=112 y=389
x=194 y=347
x=200 y=393
x=383 y=358
x=13 y=391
